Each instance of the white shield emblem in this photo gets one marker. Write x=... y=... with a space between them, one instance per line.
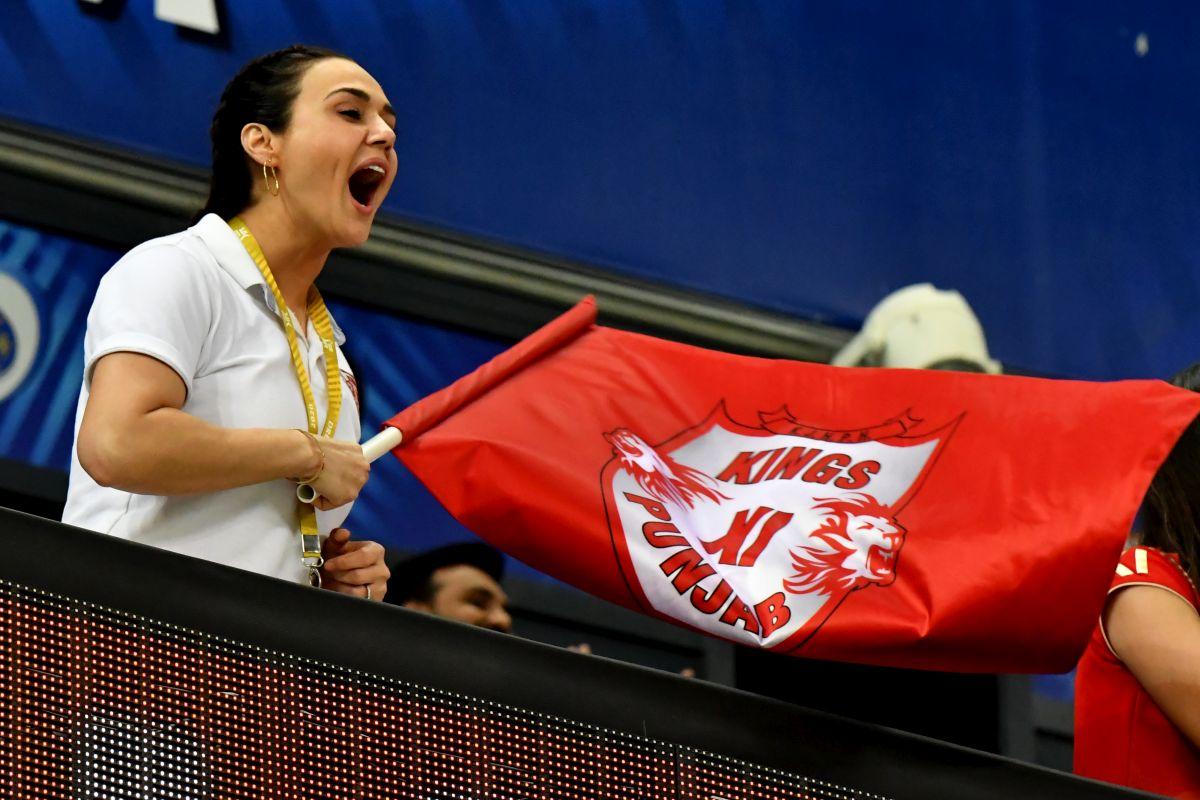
x=757 y=534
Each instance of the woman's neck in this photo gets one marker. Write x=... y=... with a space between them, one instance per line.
x=295 y=258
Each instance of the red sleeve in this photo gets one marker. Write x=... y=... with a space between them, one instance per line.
x=1145 y=566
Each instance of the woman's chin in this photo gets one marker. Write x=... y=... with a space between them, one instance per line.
x=353 y=232
x=355 y=224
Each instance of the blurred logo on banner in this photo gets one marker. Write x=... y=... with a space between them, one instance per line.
x=19 y=334
x=46 y=286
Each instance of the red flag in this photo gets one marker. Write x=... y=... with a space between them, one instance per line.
x=910 y=518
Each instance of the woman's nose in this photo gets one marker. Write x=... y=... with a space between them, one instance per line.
x=383 y=134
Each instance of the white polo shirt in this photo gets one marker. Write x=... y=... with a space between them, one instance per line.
x=196 y=301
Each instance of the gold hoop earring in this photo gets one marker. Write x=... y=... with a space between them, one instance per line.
x=274 y=192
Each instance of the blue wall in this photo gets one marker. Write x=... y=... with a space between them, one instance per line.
x=802 y=156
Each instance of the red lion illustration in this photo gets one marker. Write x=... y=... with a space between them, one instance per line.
x=856 y=546
x=659 y=475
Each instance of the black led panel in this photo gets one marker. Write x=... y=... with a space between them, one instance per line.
x=130 y=672
x=104 y=704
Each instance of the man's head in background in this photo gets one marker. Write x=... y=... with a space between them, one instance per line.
x=458 y=581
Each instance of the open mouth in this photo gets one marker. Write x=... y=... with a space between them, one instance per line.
x=364 y=184
x=881 y=563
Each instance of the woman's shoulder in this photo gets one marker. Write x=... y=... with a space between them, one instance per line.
x=179 y=248
x=1149 y=566
x=176 y=262
x=1146 y=578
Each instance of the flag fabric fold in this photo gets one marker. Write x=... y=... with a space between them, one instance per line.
x=909 y=518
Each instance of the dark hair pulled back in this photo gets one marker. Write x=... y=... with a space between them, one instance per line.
x=263 y=91
x=1171 y=513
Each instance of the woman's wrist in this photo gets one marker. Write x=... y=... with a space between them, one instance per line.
x=313 y=464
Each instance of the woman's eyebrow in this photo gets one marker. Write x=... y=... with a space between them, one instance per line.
x=361 y=95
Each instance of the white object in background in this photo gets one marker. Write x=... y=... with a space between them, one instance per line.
x=199 y=15
x=916 y=327
x=386 y=440
x=19 y=334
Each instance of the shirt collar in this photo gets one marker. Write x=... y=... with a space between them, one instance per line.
x=225 y=246
x=232 y=257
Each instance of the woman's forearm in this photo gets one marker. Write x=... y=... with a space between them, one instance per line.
x=170 y=452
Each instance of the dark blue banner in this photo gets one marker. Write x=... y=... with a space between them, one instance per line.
x=807 y=157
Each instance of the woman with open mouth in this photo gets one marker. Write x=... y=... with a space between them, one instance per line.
x=213 y=377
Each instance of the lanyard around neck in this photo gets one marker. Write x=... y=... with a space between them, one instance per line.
x=310 y=539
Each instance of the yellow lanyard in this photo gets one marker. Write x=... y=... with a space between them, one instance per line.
x=310 y=537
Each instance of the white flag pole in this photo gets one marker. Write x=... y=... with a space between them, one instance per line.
x=384 y=441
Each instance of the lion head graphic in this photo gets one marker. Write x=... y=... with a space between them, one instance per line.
x=856 y=545
x=659 y=475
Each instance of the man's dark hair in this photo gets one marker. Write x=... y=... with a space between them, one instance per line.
x=263 y=91
x=957 y=365
x=412 y=578
x=1171 y=513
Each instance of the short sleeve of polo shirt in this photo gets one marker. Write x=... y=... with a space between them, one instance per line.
x=154 y=301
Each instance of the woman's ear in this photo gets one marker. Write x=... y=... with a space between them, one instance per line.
x=260 y=144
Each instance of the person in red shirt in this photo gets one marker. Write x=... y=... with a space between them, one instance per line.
x=1137 y=695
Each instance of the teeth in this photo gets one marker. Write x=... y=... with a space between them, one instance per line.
x=376 y=167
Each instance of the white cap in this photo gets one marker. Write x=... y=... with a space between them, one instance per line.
x=916 y=327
